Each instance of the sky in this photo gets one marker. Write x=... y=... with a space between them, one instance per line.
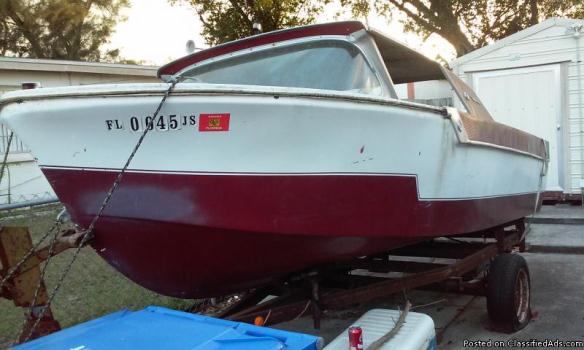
x=156 y=32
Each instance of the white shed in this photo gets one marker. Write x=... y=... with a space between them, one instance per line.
x=533 y=80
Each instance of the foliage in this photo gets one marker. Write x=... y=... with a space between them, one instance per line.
x=226 y=20
x=59 y=29
x=471 y=24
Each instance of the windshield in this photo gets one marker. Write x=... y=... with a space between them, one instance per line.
x=326 y=65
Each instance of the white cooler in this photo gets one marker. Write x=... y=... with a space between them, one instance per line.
x=417 y=332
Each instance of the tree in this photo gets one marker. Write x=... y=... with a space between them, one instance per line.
x=226 y=20
x=59 y=29
x=471 y=24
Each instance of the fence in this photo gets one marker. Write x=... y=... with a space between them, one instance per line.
x=17 y=146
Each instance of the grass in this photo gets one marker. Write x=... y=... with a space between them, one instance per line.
x=92 y=289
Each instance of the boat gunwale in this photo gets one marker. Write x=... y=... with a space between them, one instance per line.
x=182 y=91
x=312 y=94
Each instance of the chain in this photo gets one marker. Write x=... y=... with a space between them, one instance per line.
x=41 y=278
x=55 y=289
x=125 y=167
x=28 y=254
x=88 y=233
x=43 y=272
x=11 y=272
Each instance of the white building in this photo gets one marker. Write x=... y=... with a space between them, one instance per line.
x=23 y=180
x=534 y=80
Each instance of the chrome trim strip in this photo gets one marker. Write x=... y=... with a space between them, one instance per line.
x=181 y=90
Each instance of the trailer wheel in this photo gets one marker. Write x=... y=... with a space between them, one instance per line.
x=508 y=293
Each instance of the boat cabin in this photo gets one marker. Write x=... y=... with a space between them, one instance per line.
x=345 y=58
x=341 y=56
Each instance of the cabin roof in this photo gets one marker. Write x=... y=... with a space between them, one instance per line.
x=403 y=63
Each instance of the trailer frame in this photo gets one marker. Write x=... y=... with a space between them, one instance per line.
x=340 y=285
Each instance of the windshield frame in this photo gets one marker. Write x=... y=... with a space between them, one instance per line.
x=344 y=40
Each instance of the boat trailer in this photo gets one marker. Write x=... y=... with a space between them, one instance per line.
x=465 y=264
x=475 y=264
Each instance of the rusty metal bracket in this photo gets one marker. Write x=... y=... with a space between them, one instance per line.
x=66 y=239
x=22 y=282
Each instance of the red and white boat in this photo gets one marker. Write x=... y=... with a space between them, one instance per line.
x=274 y=154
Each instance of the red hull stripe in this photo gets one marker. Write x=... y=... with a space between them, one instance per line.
x=202 y=235
x=338 y=28
x=195 y=173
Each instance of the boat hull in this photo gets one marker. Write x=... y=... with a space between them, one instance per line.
x=195 y=235
x=287 y=178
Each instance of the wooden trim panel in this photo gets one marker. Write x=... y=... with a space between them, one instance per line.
x=489 y=131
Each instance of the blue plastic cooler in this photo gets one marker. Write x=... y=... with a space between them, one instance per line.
x=161 y=328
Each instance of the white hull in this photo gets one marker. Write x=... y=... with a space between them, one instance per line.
x=271 y=131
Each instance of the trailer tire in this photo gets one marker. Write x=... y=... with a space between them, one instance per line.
x=508 y=293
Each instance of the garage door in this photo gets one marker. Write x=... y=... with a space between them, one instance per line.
x=528 y=99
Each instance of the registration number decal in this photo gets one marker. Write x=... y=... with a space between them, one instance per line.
x=170 y=122
x=162 y=123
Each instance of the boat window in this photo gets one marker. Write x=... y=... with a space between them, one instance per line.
x=438 y=93
x=326 y=65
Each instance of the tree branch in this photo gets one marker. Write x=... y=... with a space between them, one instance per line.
x=26 y=32
x=444 y=23
x=241 y=12
x=417 y=18
x=534 y=12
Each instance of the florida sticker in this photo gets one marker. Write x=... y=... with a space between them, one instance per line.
x=214 y=122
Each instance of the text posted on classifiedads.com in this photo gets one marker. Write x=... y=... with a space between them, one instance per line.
x=522 y=344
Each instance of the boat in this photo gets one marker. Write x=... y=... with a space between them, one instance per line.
x=274 y=154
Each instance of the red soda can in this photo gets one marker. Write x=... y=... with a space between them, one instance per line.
x=355 y=338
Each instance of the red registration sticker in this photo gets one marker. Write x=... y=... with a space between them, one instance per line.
x=214 y=122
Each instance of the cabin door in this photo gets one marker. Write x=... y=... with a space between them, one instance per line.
x=529 y=99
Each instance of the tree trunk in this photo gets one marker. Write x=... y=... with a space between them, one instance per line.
x=448 y=27
x=458 y=40
x=438 y=18
x=74 y=50
x=27 y=32
x=534 y=12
